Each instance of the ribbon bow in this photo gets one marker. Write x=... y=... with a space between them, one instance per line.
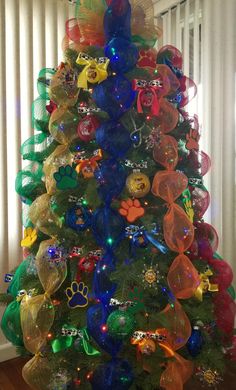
x=88 y=166
x=205 y=285
x=141 y=235
x=147 y=95
x=178 y=370
x=95 y=70
x=68 y=337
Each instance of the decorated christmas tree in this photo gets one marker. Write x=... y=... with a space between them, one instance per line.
x=121 y=286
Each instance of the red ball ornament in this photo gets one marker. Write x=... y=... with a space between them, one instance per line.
x=87 y=127
x=147 y=97
x=86 y=264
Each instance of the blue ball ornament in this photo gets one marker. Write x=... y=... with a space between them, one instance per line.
x=114 y=95
x=114 y=138
x=117 y=20
x=195 y=342
x=123 y=55
x=96 y=321
x=108 y=227
x=78 y=218
x=114 y=375
x=111 y=178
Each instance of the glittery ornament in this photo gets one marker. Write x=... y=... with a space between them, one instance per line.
x=138 y=184
x=87 y=127
x=209 y=377
x=121 y=324
x=147 y=347
x=151 y=275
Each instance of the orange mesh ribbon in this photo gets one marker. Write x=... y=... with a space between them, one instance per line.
x=183 y=278
x=165 y=152
x=175 y=336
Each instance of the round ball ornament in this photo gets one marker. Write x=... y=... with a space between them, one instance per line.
x=138 y=184
x=147 y=97
x=147 y=347
x=121 y=324
x=78 y=218
x=87 y=127
x=87 y=264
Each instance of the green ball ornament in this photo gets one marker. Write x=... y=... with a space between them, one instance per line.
x=121 y=324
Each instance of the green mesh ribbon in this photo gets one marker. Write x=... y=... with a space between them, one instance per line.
x=43 y=82
x=64 y=342
x=40 y=115
x=15 y=285
x=28 y=182
x=38 y=147
x=11 y=325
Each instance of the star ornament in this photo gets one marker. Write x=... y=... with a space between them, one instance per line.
x=209 y=377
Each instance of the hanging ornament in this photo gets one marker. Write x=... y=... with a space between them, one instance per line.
x=209 y=377
x=95 y=70
x=147 y=347
x=136 y=134
x=75 y=252
x=131 y=210
x=77 y=295
x=192 y=138
x=147 y=95
x=78 y=218
x=66 y=178
x=121 y=324
x=138 y=184
x=87 y=166
x=30 y=236
x=87 y=127
x=151 y=276
x=195 y=342
x=205 y=285
x=87 y=264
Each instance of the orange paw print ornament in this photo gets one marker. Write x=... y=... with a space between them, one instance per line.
x=131 y=209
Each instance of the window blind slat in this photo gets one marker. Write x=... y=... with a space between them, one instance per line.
x=186 y=38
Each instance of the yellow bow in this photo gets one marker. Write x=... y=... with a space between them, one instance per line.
x=95 y=70
x=205 y=285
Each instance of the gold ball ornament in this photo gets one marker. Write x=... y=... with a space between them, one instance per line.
x=138 y=184
x=92 y=75
x=147 y=347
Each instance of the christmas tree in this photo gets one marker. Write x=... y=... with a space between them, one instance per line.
x=121 y=286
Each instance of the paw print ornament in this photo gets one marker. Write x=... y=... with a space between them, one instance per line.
x=192 y=140
x=77 y=295
x=30 y=236
x=131 y=210
x=66 y=178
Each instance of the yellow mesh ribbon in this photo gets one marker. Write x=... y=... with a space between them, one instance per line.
x=60 y=157
x=43 y=217
x=37 y=316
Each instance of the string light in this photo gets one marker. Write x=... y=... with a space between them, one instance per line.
x=88 y=376
x=104 y=328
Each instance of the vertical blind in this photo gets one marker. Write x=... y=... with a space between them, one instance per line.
x=205 y=32
x=31 y=32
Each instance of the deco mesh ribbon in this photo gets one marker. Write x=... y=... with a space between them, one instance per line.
x=37 y=316
x=176 y=334
x=182 y=277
